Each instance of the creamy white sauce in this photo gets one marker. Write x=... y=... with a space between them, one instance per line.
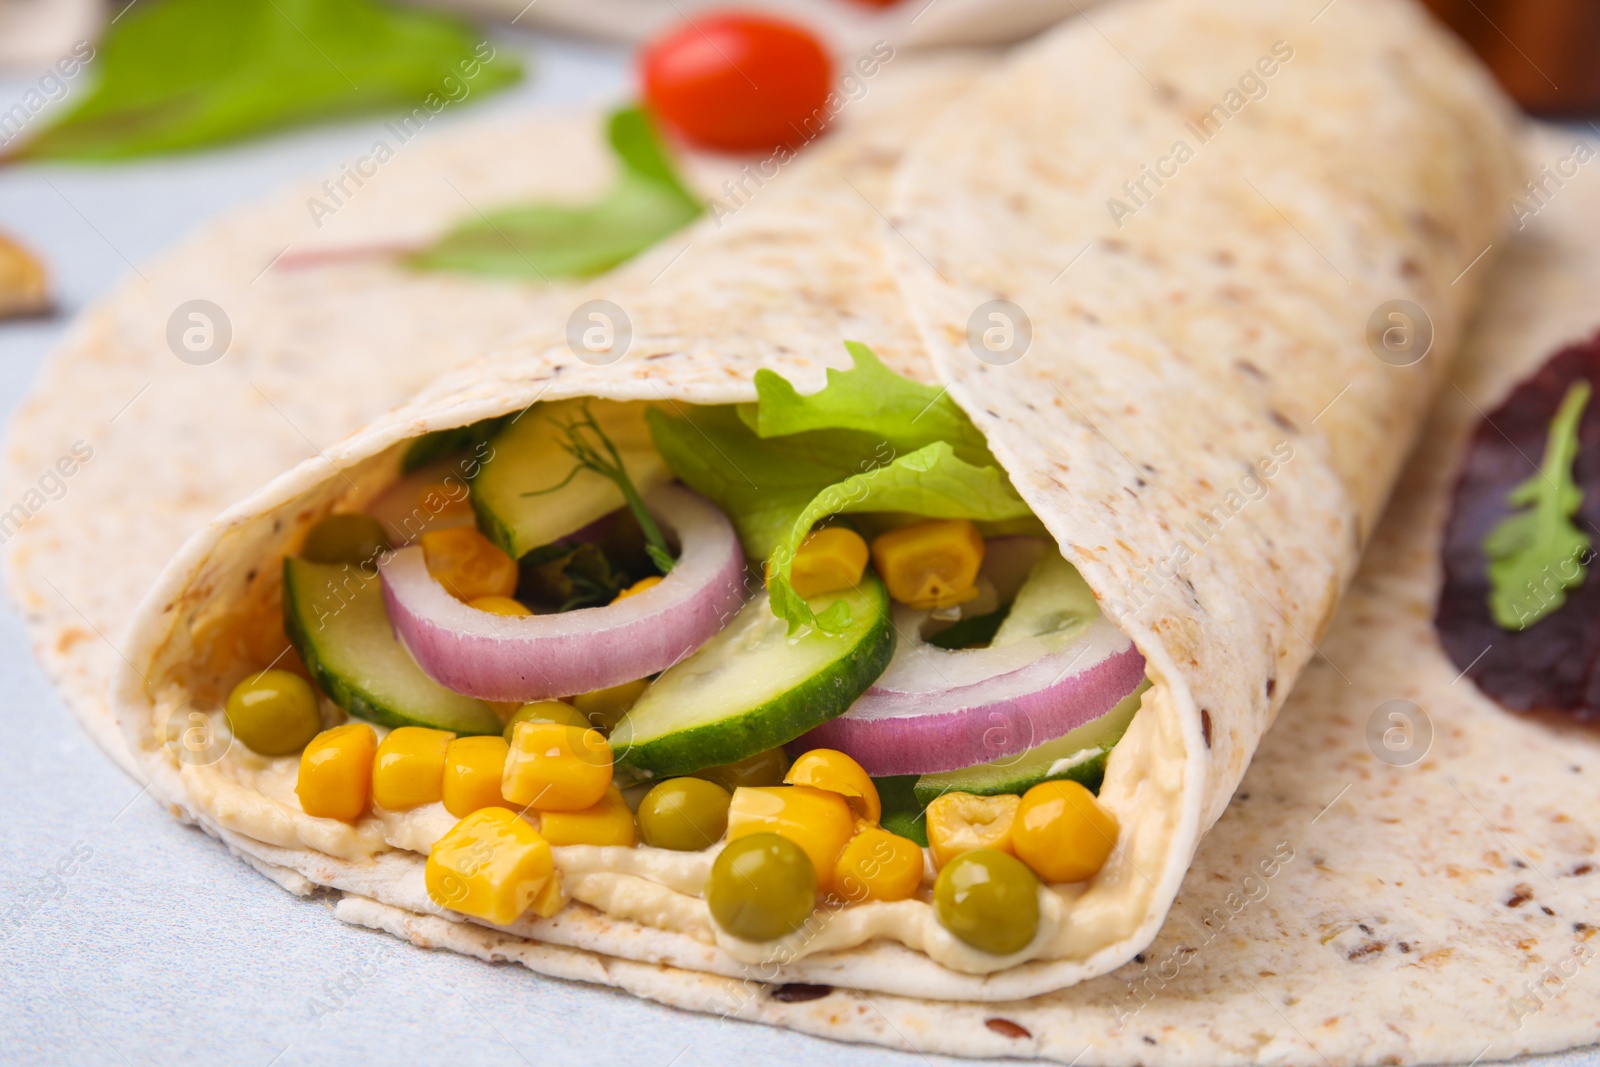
x=254 y=795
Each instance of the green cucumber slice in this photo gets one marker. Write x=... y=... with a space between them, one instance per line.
x=1078 y=754
x=526 y=457
x=903 y=813
x=753 y=687
x=337 y=621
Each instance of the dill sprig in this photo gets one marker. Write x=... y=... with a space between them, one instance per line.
x=608 y=464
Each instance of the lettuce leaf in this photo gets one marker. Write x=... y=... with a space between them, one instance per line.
x=1527 y=549
x=869 y=398
x=932 y=482
x=869 y=441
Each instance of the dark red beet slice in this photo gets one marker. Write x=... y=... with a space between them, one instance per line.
x=1553 y=665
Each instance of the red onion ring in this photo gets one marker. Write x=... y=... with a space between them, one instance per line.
x=498 y=657
x=937 y=710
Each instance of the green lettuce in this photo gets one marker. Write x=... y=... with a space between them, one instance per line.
x=869 y=441
x=1529 y=548
x=544 y=241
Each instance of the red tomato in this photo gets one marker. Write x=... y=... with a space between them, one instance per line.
x=739 y=83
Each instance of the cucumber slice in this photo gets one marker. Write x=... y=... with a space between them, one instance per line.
x=753 y=687
x=903 y=813
x=527 y=456
x=337 y=621
x=1079 y=755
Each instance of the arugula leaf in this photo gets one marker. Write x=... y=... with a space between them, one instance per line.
x=779 y=466
x=181 y=74
x=870 y=398
x=546 y=241
x=1527 y=549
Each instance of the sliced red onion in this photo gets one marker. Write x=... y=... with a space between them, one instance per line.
x=938 y=710
x=497 y=657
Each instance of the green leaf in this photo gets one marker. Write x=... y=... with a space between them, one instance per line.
x=769 y=483
x=869 y=398
x=931 y=482
x=181 y=74
x=1536 y=555
x=547 y=241
x=869 y=441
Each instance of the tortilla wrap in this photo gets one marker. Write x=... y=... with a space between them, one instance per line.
x=1437 y=904
x=794 y=273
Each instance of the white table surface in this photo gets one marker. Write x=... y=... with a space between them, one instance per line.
x=159 y=947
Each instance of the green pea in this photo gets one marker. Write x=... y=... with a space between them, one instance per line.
x=546 y=711
x=345 y=539
x=988 y=899
x=684 y=814
x=764 y=768
x=274 y=713
x=762 y=887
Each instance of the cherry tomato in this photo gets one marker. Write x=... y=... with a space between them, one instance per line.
x=739 y=83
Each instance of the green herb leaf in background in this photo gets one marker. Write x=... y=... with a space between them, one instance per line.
x=545 y=241
x=182 y=74
x=832 y=452
x=1537 y=554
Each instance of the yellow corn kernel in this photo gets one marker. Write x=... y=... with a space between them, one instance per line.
x=815 y=819
x=500 y=605
x=473 y=767
x=932 y=564
x=604 y=707
x=878 y=865
x=336 y=772
x=465 y=562
x=608 y=822
x=961 y=822
x=550 y=898
x=553 y=767
x=642 y=585
x=1063 y=832
x=408 y=770
x=491 y=865
x=830 y=769
x=828 y=561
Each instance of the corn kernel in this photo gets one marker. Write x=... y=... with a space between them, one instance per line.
x=641 y=586
x=878 y=865
x=1063 y=832
x=931 y=564
x=467 y=564
x=336 y=772
x=828 y=561
x=556 y=768
x=608 y=822
x=961 y=822
x=408 y=770
x=491 y=865
x=830 y=769
x=473 y=767
x=500 y=605
x=815 y=819
x=604 y=707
